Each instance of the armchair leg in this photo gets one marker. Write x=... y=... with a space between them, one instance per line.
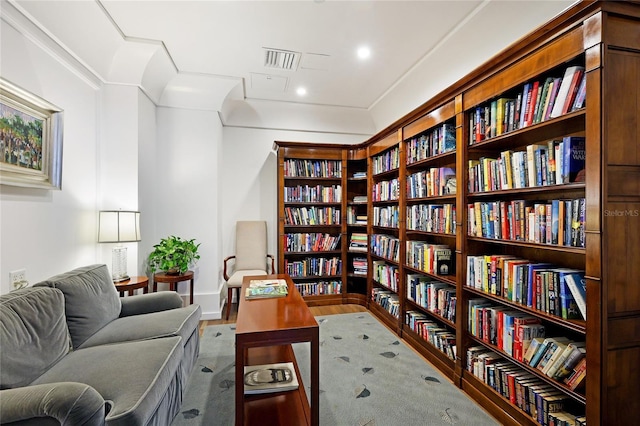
x=229 y=300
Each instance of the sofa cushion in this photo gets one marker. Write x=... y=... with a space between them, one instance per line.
x=173 y=322
x=133 y=377
x=33 y=332
x=91 y=300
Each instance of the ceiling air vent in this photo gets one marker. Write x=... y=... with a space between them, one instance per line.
x=281 y=59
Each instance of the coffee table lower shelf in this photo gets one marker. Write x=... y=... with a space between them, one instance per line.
x=279 y=408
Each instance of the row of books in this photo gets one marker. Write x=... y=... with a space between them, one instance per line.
x=311 y=242
x=312 y=168
x=542 y=286
x=558 y=222
x=440 y=218
x=430 y=258
x=559 y=358
x=317 y=288
x=522 y=337
x=386 y=275
x=539 y=399
x=434 y=182
x=538 y=101
x=313 y=266
x=358 y=242
x=388 y=160
x=360 y=265
x=311 y=216
x=553 y=163
x=387 y=216
x=434 y=333
x=354 y=217
x=437 y=297
x=387 y=299
x=386 y=246
x=313 y=194
x=386 y=190
x=436 y=141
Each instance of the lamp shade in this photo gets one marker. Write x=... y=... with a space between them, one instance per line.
x=117 y=226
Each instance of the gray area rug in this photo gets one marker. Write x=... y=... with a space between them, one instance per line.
x=367 y=377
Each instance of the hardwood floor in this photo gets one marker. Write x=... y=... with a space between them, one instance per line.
x=315 y=310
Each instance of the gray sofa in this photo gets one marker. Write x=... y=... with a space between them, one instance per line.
x=75 y=353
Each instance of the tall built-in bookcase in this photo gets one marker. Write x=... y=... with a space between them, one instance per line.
x=310 y=221
x=494 y=239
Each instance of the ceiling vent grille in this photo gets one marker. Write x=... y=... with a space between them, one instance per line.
x=281 y=59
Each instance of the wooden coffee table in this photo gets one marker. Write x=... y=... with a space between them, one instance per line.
x=265 y=330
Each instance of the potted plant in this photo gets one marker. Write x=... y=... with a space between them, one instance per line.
x=173 y=255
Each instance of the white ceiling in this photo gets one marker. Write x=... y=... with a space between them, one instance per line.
x=201 y=54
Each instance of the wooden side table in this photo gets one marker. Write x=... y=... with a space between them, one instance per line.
x=173 y=280
x=132 y=284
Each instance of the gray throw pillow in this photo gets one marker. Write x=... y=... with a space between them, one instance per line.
x=91 y=300
x=33 y=332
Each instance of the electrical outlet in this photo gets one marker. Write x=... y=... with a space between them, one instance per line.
x=18 y=278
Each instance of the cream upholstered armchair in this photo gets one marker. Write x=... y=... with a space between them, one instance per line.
x=251 y=256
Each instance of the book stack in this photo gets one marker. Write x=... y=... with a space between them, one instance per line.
x=360 y=266
x=358 y=242
x=359 y=175
x=260 y=289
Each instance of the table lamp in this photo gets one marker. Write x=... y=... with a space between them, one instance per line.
x=117 y=226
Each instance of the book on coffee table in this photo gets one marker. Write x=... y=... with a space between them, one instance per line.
x=266 y=288
x=269 y=378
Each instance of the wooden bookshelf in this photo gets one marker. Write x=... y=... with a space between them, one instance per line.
x=603 y=38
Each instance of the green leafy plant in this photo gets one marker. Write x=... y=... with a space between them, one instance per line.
x=173 y=255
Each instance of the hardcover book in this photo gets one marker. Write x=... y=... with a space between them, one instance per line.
x=266 y=288
x=269 y=378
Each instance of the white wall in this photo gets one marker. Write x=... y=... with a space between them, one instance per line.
x=118 y=160
x=184 y=183
x=48 y=232
x=147 y=189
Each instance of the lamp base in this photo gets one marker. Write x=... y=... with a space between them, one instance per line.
x=119 y=269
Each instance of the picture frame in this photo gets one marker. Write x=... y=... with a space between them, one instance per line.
x=31 y=133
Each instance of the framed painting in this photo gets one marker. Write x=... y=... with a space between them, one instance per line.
x=30 y=139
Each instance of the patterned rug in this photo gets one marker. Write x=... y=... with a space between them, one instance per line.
x=367 y=377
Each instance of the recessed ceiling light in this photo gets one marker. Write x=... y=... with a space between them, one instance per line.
x=364 y=52
x=301 y=91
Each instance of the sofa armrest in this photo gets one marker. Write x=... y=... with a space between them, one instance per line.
x=150 y=302
x=63 y=402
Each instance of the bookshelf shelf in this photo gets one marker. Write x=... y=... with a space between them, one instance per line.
x=576 y=326
x=498 y=241
x=400 y=173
